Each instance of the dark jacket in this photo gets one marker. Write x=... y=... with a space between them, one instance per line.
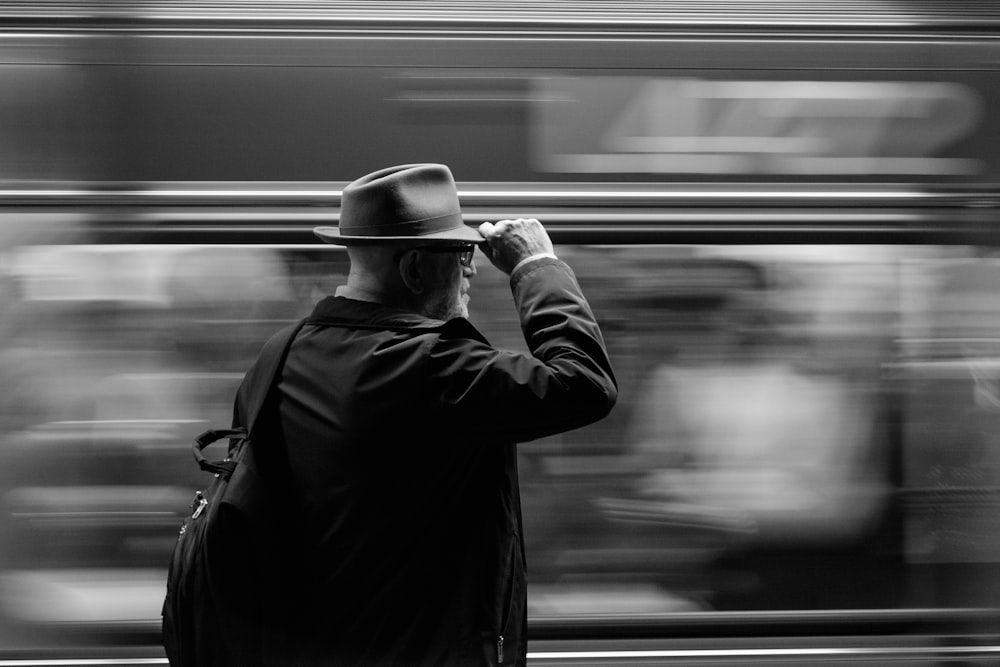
x=400 y=433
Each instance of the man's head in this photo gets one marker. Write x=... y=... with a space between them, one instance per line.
x=406 y=239
x=430 y=280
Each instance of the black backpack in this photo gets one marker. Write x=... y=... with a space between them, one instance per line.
x=235 y=554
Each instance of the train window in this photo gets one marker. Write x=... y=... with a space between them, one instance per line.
x=788 y=414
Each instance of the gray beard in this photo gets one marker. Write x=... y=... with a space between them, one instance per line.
x=444 y=308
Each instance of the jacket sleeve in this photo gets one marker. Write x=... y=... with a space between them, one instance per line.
x=566 y=382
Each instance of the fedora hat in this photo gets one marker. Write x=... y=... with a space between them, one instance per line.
x=410 y=202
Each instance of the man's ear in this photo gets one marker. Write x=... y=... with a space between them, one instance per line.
x=411 y=271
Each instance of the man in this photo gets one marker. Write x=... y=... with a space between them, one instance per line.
x=400 y=422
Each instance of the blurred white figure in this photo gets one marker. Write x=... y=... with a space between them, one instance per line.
x=735 y=438
x=777 y=450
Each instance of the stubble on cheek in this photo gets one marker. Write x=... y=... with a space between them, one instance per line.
x=452 y=299
x=447 y=304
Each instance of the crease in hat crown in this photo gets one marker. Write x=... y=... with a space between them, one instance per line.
x=410 y=202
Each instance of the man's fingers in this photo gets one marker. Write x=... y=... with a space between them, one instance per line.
x=487 y=230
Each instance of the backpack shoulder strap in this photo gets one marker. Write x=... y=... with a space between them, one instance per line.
x=262 y=377
x=251 y=397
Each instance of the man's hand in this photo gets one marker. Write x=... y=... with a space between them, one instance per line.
x=510 y=241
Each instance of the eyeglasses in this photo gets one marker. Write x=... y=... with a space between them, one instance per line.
x=464 y=251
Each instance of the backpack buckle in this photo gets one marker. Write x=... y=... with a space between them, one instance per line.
x=200 y=503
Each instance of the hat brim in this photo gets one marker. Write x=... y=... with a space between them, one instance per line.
x=462 y=234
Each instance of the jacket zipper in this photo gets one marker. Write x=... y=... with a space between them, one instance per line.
x=505 y=617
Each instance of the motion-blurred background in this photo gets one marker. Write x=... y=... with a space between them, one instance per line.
x=783 y=213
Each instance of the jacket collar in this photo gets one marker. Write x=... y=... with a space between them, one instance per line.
x=369 y=313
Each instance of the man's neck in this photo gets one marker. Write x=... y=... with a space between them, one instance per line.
x=359 y=294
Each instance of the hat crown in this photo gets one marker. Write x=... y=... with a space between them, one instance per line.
x=408 y=193
x=402 y=203
x=408 y=200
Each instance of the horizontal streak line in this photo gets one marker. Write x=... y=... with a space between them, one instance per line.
x=495 y=194
x=758 y=653
x=888 y=652
x=81 y=662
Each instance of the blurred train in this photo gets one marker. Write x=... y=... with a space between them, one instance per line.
x=785 y=215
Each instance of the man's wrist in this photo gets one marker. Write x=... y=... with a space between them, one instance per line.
x=531 y=259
